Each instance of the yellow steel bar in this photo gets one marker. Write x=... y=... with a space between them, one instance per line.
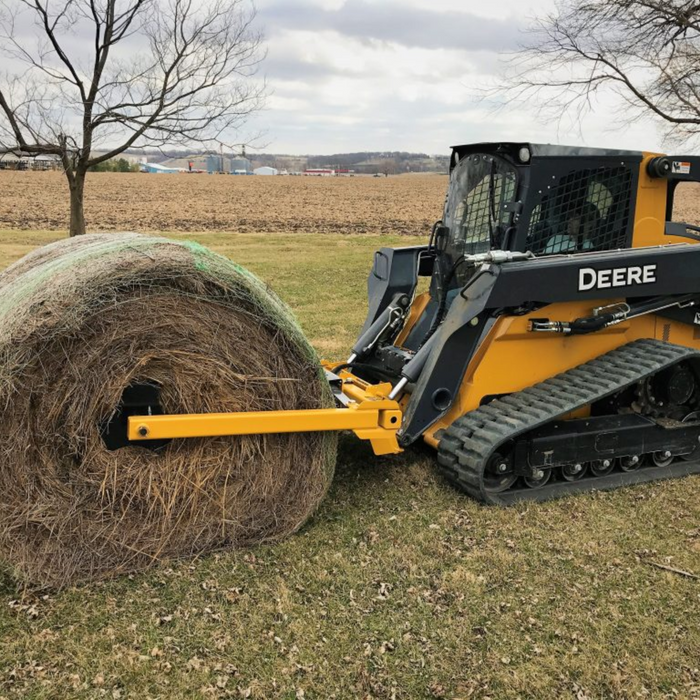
x=370 y=414
x=254 y=422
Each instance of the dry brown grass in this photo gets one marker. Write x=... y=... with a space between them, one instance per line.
x=400 y=587
x=405 y=205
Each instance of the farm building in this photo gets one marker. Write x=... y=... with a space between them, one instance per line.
x=160 y=169
x=10 y=161
x=227 y=164
x=215 y=164
x=189 y=163
x=266 y=170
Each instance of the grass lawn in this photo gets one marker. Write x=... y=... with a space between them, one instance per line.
x=399 y=587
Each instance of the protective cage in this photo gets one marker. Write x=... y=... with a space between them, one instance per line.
x=580 y=209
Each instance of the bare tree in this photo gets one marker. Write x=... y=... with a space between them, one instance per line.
x=84 y=76
x=388 y=166
x=646 y=51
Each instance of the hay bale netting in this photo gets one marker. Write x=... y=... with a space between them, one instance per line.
x=81 y=320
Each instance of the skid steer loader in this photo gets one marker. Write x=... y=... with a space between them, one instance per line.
x=557 y=349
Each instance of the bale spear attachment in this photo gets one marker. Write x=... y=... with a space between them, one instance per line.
x=362 y=407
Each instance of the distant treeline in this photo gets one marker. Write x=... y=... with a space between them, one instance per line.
x=366 y=157
x=116 y=165
x=368 y=162
x=388 y=162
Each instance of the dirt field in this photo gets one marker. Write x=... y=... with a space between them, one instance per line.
x=406 y=205
x=687 y=203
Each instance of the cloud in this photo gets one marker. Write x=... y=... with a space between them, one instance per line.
x=291 y=67
x=395 y=23
x=312 y=59
x=352 y=75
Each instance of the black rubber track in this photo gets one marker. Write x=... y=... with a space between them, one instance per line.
x=466 y=446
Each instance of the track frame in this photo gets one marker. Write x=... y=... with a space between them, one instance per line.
x=467 y=446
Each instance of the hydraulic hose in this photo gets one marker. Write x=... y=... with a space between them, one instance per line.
x=382 y=374
x=442 y=305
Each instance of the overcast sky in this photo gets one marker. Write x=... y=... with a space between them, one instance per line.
x=376 y=75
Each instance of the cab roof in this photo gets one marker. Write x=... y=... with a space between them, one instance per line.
x=541 y=150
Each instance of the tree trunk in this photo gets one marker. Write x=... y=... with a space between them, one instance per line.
x=76 y=184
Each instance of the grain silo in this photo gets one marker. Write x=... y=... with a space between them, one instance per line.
x=240 y=166
x=215 y=163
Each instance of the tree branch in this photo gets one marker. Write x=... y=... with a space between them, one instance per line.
x=647 y=51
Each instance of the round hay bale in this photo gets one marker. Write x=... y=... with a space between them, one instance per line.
x=83 y=319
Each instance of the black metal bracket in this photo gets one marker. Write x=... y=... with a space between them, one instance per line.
x=682 y=230
x=138 y=399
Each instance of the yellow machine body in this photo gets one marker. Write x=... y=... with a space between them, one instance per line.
x=512 y=358
x=509 y=359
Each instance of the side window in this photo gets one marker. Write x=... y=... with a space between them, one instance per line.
x=585 y=210
x=684 y=205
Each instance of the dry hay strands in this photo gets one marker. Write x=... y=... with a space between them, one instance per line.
x=80 y=321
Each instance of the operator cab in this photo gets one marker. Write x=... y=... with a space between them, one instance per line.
x=516 y=197
x=531 y=197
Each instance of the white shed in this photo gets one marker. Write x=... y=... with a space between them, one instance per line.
x=265 y=170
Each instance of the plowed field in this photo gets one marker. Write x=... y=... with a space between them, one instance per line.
x=406 y=205
x=403 y=205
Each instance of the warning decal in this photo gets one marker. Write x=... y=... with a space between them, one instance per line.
x=681 y=167
x=697 y=319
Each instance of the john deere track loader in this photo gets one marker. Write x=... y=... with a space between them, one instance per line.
x=557 y=349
